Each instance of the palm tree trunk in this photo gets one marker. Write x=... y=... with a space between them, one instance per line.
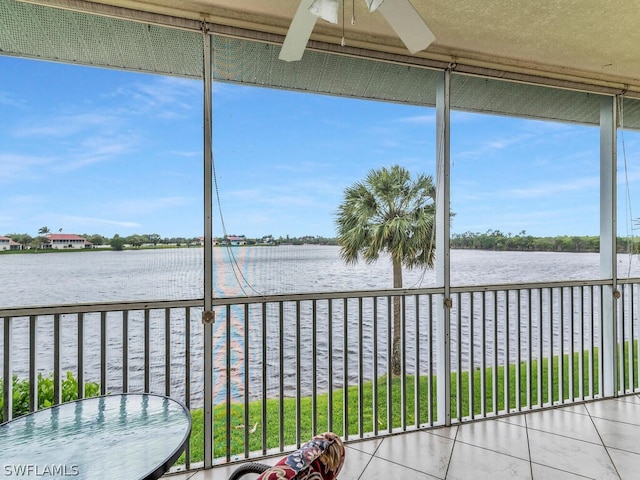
x=395 y=351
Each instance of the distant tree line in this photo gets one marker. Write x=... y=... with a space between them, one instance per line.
x=522 y=242
x=305 y=240
x=490 y=240
x=141 y=240
x=118 y=242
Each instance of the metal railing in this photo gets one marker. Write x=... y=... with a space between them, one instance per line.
x=57 y=353
x=288 y=366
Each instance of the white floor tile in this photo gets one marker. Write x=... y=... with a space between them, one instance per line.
x=622 y=436
x=380 y=469
x=576 y=408
x=571 y=455
x=565 y=423
x=617 y=410
x=501 y=437
x=564 y=443
x=542 y=472
x=366 y=446
x=630 y=398
x=420 y=451
x=179 y=476
x=471 y=462
x=515 y=420
x=627 y=464
x=447 y=432
x=355 y=462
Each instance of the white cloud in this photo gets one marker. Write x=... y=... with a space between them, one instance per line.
x=313 y=194
x=548 y=189
x=14 y=166
x=186 y=153
x=419 y=119
x=96 y=149
x=488 y=147
x=144 y=206
x=537 y=222
x=22 y=200
x=66 y=125
x=85 y=222
x=164 y=97
x=632 y=175
x=303 y=166
x=10 y=100
x=461 y=116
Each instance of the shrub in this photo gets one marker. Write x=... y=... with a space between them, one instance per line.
x=22 y=388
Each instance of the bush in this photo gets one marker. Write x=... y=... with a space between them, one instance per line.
x=22 y=388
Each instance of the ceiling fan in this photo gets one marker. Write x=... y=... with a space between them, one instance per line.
x=400 y=14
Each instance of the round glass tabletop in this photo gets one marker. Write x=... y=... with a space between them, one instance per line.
x=125 y=436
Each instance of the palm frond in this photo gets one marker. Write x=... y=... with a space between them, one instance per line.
x=388 y=212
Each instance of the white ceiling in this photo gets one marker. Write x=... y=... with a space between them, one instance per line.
x=580 y=40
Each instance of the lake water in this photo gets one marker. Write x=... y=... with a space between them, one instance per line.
x=81 y=277
x=168 y=274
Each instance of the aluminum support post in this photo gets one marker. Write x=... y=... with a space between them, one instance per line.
x=608 y=250
x=443 y=267
x=207 y=315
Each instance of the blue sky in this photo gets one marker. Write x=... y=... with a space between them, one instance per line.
x=90 y=150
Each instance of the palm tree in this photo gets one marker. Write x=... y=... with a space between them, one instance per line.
x=41 y=238
x=389 y=212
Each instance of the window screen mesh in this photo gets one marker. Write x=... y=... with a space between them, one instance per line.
x=501 y=97
x=60 y=35
x=53 y=34
x=258 y=64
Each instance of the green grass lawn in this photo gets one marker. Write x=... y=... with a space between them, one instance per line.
x=388 y=413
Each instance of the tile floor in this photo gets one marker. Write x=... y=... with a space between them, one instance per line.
x=598 y=440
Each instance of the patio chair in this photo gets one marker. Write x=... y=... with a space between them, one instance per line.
x=321 y=458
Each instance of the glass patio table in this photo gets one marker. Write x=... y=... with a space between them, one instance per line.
x=126 y=436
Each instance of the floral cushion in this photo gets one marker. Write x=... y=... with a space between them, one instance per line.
x=321 y=458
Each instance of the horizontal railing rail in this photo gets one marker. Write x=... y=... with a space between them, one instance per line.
x=96 y=307
x=286 y=367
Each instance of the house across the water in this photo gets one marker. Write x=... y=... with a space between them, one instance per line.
x=62 y=241
x=236 y=240
x=8 y=244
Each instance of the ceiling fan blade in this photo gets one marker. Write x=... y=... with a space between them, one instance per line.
x=407 y=23
x=326 y=10
x=299 y=33
x=373 y=4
